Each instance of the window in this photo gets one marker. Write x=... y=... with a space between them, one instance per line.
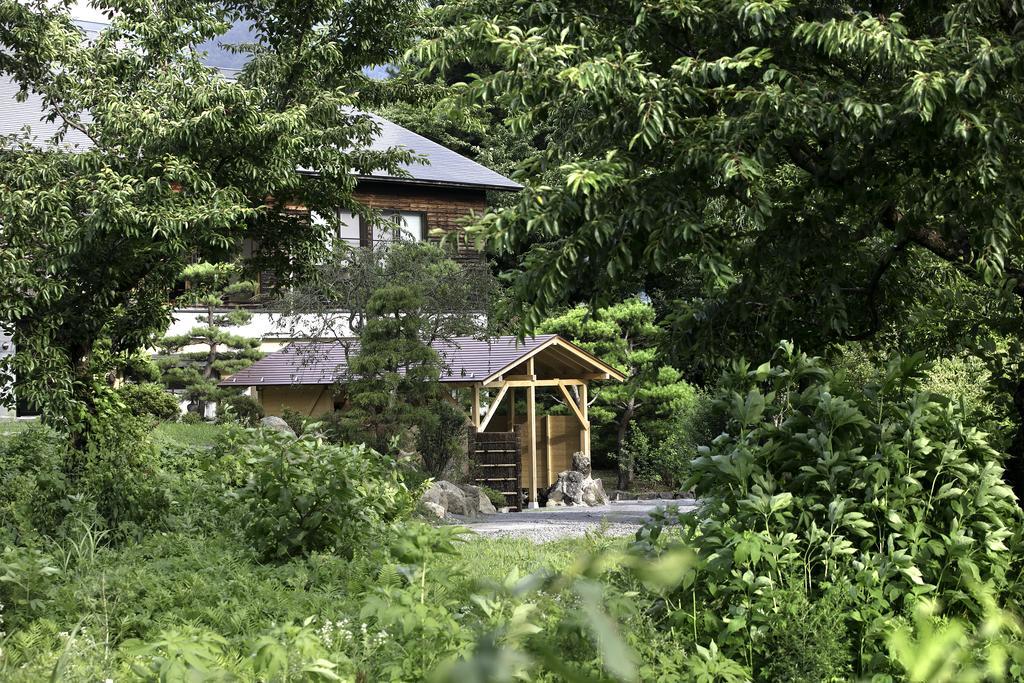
x=405 y=226
x=347 y=231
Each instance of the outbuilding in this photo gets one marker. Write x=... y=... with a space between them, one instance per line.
x=513 y=451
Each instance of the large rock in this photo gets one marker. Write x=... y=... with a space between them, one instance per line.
x=432 y=509
x=277 y=424
x=478 y=500
x=454 y=499
x=577 y=486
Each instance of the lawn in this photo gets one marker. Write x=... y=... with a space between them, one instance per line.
x=187 y=435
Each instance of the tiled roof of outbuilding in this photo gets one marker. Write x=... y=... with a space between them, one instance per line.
x=465 y=359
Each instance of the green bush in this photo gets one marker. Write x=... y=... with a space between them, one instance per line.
x=121 y=475
x=305 y=495
x=296 y=420
x=152 y=400
x=497 y=498
x=242 y=409
x=441 y=438
x=33 y=484
x=191 y=418
x=885 y=493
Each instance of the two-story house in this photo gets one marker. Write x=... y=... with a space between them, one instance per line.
x=436 y=195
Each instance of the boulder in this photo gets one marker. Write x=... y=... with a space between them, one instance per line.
x=593 y=493
x=478 y=500
x=577 y=486
x=277 y=424
x=455 y=499
x=581 y=463
x=432 y=509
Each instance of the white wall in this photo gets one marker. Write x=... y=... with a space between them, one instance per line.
x=276 y=330
x=6 y=349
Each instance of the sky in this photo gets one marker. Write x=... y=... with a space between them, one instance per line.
x=82 y=10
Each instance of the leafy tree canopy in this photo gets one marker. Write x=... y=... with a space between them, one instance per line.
x=775 y=171
x=180 y=160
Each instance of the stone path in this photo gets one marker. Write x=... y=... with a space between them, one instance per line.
x=619 y=518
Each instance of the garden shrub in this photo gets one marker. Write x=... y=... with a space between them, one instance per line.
x=33 y=485
x=441 y=439
x=149 y=400
x=121 y=475
x=885 y=493
x=192 y=418
x=244 y=410
x=497 y=498
x=295 y=419
x=304 y=494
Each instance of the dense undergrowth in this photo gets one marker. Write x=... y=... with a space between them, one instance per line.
x=846 y=533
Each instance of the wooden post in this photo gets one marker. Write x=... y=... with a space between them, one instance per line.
x=511 y=409
x=584 y=433
x=476 y=406
x=547 y=451
x=531 y=434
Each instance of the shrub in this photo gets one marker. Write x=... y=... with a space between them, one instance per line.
x=441 y=439
x=149 y=400
x=305 y=495
x=886 y=493
x=242 y=409
x=33 y=485
x=191 y=418
x=296 y=420
x=497 y=498
x=123 y=478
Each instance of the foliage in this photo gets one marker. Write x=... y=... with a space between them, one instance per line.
x=121 y=476
x=441 y=439
x=305 y=495
x=191 y=419
x=27 y=582
x=212 y=286
x=181 y=434
x=33 y=484
x=157 y=178
x=453 y=299
x=497 y=498
x=885 y=494
x=245 y=410
x=149 y=400
x=762 y=172
x=393 y=379
x=625 y=336
x=295 y=419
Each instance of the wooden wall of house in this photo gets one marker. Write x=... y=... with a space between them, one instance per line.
x=558 y=437
x=444 y=208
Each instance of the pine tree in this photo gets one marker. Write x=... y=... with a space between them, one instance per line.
x=393 y=379
x=625 y=335
x=210 y=286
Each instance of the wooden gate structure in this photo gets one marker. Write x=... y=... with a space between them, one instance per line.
x=547 y=444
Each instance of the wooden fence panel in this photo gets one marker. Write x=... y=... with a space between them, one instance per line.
x=494 y=462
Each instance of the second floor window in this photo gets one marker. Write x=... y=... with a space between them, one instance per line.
x=393 y=226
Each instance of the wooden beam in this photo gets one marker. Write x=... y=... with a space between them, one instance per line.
x=492 y=408
x=531 y=434
x=476 y=406
x=518 y=378
x=571 y=402
x=534 y=383
x=595 y=375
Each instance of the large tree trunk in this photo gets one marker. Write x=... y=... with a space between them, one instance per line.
x=627 y=467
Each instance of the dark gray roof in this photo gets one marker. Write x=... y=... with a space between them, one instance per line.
x=465 y=360
x=443 y=167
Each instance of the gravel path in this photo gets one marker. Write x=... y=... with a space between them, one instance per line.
x=619 y=518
